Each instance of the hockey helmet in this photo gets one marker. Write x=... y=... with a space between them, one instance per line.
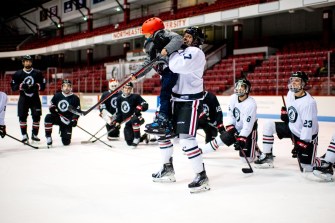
x=66 y=81
x=197 y=34
x=152 y=25
x=27 y=57
x=113 y=84
x=297 y=75
x=242 y=87
x=129 y=84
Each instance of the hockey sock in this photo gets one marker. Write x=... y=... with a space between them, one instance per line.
x=330 y=154
x=48 y=129
x=136 y=129
x=36 y=128
x=212 y=145
x=269 y=130
x=23 y=125
x=192 y=151
x=166 y=148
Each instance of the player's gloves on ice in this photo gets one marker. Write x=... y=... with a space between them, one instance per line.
x=283 y=114
x=53 y=109
x=138 y=110
x=221 y=128
x=300 y=145
x=240 y=142
x=231 y=129
x=24 y=86
x=74 y=122
x=2 y=131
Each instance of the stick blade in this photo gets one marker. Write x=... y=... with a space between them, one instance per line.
x=247 y=170
x=85 y=142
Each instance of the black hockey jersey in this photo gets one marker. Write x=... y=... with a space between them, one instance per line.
x=62 y=103
x=110 y=103
x=212 y=108
x=126 y=106
x=30 y=78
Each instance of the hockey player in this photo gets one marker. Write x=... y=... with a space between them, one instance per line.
x=302 y=126
x=325 y=170
x=29 y=82
x=130 y=105
x=187 y=97
x=60 y=115
x=241 y=126
x=161 y=42
x=210 y=119
x=108 y=109
x=3 y=104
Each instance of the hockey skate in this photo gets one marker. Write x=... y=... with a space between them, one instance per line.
x=166 y=174
x=265 y=161
x=25 y=139
x=136 y=141
x=49 y=141
x=161 y=126
x=35 y=139
x=199 y=183
x=324 y=172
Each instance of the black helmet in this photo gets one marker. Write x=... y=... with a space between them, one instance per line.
x=239 y=83
x=197 y=34
x=66 y=81
x=27 y=57
x=129 y=84
x=300 y=74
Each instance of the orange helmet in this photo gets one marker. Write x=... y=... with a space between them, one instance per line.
x=152 y=25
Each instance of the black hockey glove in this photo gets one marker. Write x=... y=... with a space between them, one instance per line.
x=221 y=128
x=283 y=114
x=231 y=130
x=74 y=122
x=240 y=142
x=35 y=87
x=138 y=110
x=2 y=131
x=300 y=145
x=53 y=109
x=24 y=86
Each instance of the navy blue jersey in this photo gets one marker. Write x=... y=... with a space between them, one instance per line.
x=62 y=103
x=34 y=78
x=126 y=106
x=110 y=103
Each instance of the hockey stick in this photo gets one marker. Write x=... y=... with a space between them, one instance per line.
x=125 y=121
x=89 y=140
x=246 y=170
x=78 y=112
x=93 y=136
x=292 y=138
x=27 y=144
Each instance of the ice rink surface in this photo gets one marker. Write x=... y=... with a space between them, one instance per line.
x=93 y=183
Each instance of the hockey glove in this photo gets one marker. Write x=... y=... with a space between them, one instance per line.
x=35 y=87
x=24 y=86
x=204 y=116
x=283 y=114
x=53 y=109
x=2 y=131
x=231 y=130
x=74 y=122
x=240 y=142
x=221 y=128
x=300 y=145
x=138 y=110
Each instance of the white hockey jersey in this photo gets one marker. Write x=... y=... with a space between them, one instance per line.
x=189 y=64
x=242 y=114
x=3 y=104
x=302 y=114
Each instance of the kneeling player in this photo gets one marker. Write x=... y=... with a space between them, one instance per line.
x=60 y=115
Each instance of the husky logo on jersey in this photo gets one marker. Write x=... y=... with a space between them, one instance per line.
x=237 y=113
x=205 y=108
x=292 y=114
x=63 y=105
x=113 y=102
x=28 y=80
x=125 y=108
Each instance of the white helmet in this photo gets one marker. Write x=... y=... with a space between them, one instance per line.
x=113 y=84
